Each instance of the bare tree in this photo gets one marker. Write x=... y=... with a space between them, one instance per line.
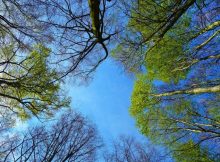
x=128 y=149
x=6 y=122
x=71 y=138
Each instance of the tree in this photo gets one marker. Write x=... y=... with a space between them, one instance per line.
x=28 y=85
x=177 y=44
x=127 y=149
x=147 y=43
x=149 y=23
x=173 y=122
x=71 y=138
x=7 y=121
x=76 y=31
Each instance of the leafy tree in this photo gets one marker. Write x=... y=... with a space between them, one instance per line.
x=70 y=138
x=177 y=44
x=28 y=85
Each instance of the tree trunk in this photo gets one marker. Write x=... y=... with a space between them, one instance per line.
x=213 y=89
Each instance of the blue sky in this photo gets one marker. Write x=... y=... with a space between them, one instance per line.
x=105 y=101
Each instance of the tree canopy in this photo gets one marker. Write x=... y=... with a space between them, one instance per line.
x=171 y=46
x=173 y=49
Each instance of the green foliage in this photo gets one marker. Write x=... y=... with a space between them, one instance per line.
x=163 y=59
x=160 y=56
x=32 y=87
x=189 y=152
x=214 y=110
x=163 y=37
x=147 y=15
x=173 y=123
x=170 y=53
x=153 y=118
x=140 y=99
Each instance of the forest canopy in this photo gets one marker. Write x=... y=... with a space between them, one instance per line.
x=171 y=48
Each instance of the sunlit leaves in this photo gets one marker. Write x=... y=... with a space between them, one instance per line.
x=31 y=86
x=190 y=152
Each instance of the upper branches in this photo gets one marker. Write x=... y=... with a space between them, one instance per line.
x=30 y=75
x=75 y=30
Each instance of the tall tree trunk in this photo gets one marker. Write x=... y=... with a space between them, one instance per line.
x=213 y=89
x=94 y=14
